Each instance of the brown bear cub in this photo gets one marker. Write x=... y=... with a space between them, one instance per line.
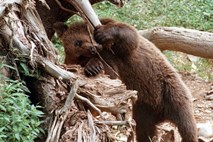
x=162 y=95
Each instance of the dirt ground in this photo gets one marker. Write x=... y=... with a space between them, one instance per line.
x=202 y=92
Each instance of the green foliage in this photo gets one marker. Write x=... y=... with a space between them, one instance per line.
x=19 y=120
x=24 y=67
x=205 y=69
x=59 y=48
x=202 y=67
x=179 y=61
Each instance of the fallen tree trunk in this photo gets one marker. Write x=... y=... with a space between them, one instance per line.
x=189 y=41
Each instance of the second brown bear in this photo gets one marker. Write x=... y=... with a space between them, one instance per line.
x=162 y=95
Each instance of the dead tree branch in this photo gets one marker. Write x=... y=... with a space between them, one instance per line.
x=189 y=41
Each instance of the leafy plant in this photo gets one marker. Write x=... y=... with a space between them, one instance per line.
x=59 y=48
x=19 y=120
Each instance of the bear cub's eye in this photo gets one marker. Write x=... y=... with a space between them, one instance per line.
x=78 y=43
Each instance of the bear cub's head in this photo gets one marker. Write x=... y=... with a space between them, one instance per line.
x=77 y=43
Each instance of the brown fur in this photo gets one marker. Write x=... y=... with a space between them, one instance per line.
x=162 y=95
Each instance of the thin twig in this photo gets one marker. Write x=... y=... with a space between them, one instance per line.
x=65 y=9
x=89 y=103
x=31 y=51
x=80 y=132
x=100 y=57
x=61 y=115
x=107 y=65
x=91 y=126
x=70 y=97
x=54 y=70
x=119 y=123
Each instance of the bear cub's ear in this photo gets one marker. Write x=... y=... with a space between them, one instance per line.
x=60 y=28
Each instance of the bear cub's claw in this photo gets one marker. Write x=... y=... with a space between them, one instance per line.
x=93 y=67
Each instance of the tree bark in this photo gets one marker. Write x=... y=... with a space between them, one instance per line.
x=65 y=96
x=189 y=41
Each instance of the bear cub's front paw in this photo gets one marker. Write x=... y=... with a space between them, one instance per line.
x=104 y=34
x=93 y=67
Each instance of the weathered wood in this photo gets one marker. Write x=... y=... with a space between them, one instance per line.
x=189 y=41
x=24 y=37
x=29 y=40
x=84 y=7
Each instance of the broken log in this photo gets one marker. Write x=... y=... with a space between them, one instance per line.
x=189 y=41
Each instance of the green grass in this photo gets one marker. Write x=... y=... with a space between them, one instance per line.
x=205 y=69
x=197 y=14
